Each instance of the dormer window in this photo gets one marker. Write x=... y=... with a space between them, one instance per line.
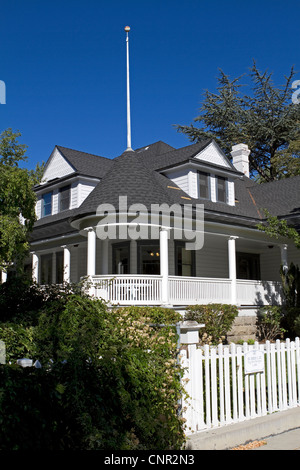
x=47 y=204
x=222 y=189
x=64 y=198
x=204 y=186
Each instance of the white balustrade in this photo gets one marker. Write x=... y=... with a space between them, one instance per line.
x=148 y=290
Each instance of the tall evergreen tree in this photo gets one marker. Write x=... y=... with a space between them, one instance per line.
x=266 y=120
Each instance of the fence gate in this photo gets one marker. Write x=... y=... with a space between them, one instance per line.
x=230 y=384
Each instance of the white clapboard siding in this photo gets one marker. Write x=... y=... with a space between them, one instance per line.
x=57 y=167
x=213 y=154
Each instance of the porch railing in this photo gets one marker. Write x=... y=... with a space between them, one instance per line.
x=198 y=290
x=259 y=292
x=128 y=289
x=147 y=290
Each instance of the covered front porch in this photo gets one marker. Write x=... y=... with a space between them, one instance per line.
x=182 y=291
x=241 y=268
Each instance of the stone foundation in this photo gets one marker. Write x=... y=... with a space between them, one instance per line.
x=244 y=328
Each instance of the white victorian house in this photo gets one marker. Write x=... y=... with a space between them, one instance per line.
x=137 y=258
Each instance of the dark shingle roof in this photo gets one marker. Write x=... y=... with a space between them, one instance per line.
x=174 y=156
x=129 y=176
x=135 y=174
x=281 y=198
x=86 y=163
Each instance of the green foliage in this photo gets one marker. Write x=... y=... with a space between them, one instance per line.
x=217 y=318
x=267 y=121
x=269 y=322
x=18 y=341
x=295 y=314
x=291 y=286
x=17 y=200
x=109 y=379
x=276 y=228
x=291 y=321
x=73 y=407
x=68 y=324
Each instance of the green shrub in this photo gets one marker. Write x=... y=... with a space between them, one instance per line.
x=109 y=378
x=217 y=318
x=269 y=322
x=18 y=339
x=291 y=320
x=291 y=286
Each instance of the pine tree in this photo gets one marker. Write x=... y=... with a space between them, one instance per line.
x=267 y=121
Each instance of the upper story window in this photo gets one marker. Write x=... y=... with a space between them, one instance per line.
x=47 y=204
x=64 y=198
x=222 y=189
x=204 y=186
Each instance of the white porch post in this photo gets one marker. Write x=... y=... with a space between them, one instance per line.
x=67 y=264
x=3 y=277
x=35 y=267
x=104 y=256
x=284 y=257
x=232 y=268
x=54 y=267
x=164 y=264
x=91 y=251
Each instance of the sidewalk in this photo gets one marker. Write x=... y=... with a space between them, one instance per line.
x=289 y=440
x=280 y=430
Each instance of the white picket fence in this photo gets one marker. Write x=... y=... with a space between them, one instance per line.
x=230 y=384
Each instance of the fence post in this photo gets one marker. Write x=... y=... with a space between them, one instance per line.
x=2 y=352
x=192 y=380
x=189 y=332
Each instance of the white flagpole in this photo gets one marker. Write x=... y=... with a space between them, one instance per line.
x=127 y=29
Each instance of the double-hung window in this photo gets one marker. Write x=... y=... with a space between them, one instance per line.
x=64 y=198
x=222 y=189
x=47 y=204
x=204 y=186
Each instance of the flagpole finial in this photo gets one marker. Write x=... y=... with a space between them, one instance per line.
x=127 y=29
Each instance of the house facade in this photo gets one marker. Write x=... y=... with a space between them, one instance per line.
x=163 y=226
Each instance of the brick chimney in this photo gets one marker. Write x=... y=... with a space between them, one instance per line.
x=240 y=158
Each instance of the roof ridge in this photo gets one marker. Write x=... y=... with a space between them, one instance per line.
x=274 y=182
x=81 y=151
x=154 y=143
x=187 y=146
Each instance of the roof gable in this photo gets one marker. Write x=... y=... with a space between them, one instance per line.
x=213 y=154
x=86 y=163
x=56 y=167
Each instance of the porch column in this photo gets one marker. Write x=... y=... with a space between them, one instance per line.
x=284 y=257
x=232 y=268
x=104 y=256
x=3 y=279
x=54 y=267
x=164 y=264
x=67 y=264
x=91 y=251
x=35 y=267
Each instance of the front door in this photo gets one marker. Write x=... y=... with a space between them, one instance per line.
x=121 y=258
x=148 y=258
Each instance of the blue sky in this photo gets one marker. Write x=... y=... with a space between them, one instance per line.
x=64 y=65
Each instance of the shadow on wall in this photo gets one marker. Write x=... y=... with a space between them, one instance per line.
x=270 y=296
